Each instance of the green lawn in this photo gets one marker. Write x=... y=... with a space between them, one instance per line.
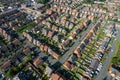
x=28 y=26
x=116 y=56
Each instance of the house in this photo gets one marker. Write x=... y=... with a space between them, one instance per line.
x=55 y=28
x=59 y=10
x=60 y=29
x=37 y=62
x=55 y=55
x=6 y=65
x=34 y=41
x=97 y=26
x=63 y=22
x=56 y=38
x=48 y=24
x=27 y=51
x=16 y=42
x=28 y=36
x=72 y=36
x=95 y=63
x=41 y=47
x=67 y=23
x=71 y=25
x=68 y=65
x=72 y=58
x=64 y=31
x=46 y=48
x=77 y=52
x=57 y=20
x=49 y=11
x=74 y=12
x=57 y=76
x=25 y=34
x=44 y=22
x=91 y=17
x=66 y=42
x=81 y=26
x=50 y=34
x=37 y=20
x=37 y=28
x=72 y=20
x=38 y=43
x=89 y=35
x=50 y=51
x=100 y=50
x=48 y=70
x=44 y=31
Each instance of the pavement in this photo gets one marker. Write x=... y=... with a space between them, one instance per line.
x=106 y=64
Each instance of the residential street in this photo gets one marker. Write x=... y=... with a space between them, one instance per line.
x=70 y=51
x=103 y=72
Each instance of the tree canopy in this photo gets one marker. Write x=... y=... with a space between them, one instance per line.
x=43 y=1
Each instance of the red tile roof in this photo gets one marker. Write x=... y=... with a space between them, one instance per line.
x=49 y=11
x=55 y=55
x=77 y=52
x=41 y=47
x=6 y=65
x=37 y=62
x=50 y=33
x=46 y=48
x=68 y=65
x=56 y=76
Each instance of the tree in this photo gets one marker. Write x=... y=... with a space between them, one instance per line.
x=43 y=1
x=116 y=60
x=45 y=77
x=9 y=74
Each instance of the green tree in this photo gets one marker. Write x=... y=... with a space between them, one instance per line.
x=43 y=1
x=9 y=73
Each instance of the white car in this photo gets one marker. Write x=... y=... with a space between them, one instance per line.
x=96 y=72
x=98 y=69
x=111 y=50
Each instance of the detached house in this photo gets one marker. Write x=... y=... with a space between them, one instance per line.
x=68 y=65
x=55 y=55
x=27 y=51
x=77 y=52
x=6 y=65
x=44 y=31
x=50 y=34
x=37 y=62
x=57 y=76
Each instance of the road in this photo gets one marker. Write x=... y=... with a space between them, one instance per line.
x=103 y=72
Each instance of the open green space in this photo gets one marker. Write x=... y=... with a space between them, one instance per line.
x=116 y=56
x=27 y=27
